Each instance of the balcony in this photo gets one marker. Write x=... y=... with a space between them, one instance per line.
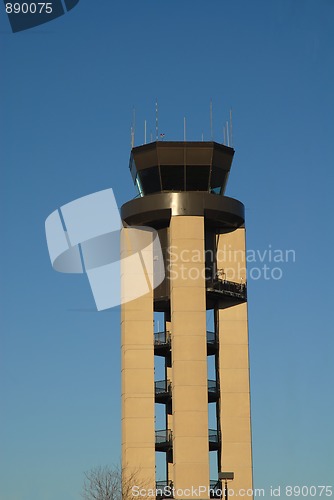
x=163 y=440
x=162 y=391
x=214 y=440
x=161 y=343
x=164 y=489
x=216 y=490
x=213 y=391
x=211 y=343
x=223 y=289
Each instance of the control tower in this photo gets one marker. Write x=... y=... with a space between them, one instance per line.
x=202 y=234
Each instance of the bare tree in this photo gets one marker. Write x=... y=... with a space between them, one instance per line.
x=107 y=483
x=103 y=483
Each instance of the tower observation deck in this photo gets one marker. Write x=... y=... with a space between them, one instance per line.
x=181 y=194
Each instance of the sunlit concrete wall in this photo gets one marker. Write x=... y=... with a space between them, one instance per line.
x=235 y=417
x=189 y=358
x=138 y=433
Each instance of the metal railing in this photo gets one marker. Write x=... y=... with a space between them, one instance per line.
x=213 y=390
x=214 y=435
x=227 y=288
x=214 y=439
x=164 y=489
x=216 y=490
x=211 y=342
x=212 y=385
x=162 y=391
x=162 y=338
x=211 y=337
x=163 y=439
x=162 y=387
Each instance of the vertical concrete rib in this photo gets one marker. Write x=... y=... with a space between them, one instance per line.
x=138 y=436
x=189 y=363
x=169 y=406
x=234 y=366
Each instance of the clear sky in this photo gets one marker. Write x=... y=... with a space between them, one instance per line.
x=67 y=92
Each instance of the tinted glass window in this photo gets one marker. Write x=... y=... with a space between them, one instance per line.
x=197 y=178
x=137 y=183
x=150 y=180
x=133 y=169
x=217 y=177
x=172 y=177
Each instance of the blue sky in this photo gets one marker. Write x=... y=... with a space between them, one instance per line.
x=67 y=93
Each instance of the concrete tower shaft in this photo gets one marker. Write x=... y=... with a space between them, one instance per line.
x=181 y=195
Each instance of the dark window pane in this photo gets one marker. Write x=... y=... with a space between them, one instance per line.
x=133 y=169
x=197 y=178
x=217 y=177
x=172 y=177
x=150 y=180
x=138 y=185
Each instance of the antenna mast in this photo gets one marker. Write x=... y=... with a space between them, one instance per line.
x=211 y=121
x=133 y=128
x=156 y=121
x=231 y=129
